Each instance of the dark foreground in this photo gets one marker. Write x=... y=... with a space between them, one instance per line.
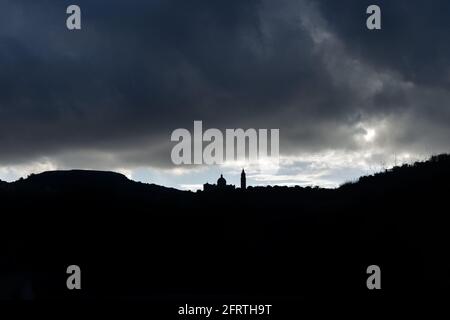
x=279 y=246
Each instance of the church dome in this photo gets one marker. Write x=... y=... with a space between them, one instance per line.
x=221 y=181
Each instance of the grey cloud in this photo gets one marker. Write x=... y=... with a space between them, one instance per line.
x=413 y=39
x=113 y=92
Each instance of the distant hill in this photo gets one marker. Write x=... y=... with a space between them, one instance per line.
x=83 y=187
x=432 y=172
x=83 y=179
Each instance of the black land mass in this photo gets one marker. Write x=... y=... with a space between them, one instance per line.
x=136 y=240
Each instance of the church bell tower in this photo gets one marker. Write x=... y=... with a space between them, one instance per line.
x=243 y=180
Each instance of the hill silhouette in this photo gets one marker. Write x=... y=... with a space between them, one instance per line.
x=82 y=181
x=140 y=240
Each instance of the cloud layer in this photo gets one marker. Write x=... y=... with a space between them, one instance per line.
x=109 y=96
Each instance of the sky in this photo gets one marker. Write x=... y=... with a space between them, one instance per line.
x=348 y=101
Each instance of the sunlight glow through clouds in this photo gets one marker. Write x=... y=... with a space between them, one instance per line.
x=370 y=135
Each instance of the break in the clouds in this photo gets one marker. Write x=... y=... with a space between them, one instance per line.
x=347 y=100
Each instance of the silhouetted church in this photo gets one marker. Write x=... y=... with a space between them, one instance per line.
x=222 y=184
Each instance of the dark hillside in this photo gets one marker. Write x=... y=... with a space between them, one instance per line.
x=139 y=240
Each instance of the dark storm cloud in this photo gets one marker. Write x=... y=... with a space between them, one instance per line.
x=413 y=39
x=137 y=70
